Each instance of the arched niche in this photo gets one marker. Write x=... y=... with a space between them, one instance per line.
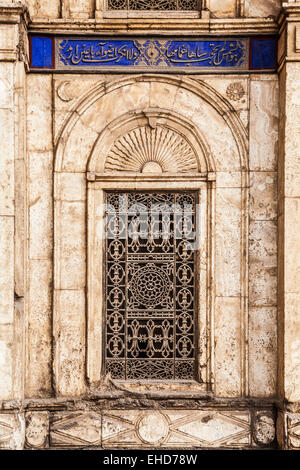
x=215 y=140
x=152 y=135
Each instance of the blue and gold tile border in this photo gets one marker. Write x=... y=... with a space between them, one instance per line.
x=58 y=53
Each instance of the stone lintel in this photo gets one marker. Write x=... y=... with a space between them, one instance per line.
x=150 y=26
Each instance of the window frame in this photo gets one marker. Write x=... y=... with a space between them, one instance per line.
x=128 y=13
x=96 y=272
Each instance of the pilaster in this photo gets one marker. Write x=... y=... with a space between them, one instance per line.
x=289 y=226
x=13 y=63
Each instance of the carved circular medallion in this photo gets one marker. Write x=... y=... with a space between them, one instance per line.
x=153 y=428
x=264 y=429
x=150 y=285
x=235 y=91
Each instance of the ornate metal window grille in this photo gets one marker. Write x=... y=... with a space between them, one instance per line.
x=150 y=285
x=153 y=4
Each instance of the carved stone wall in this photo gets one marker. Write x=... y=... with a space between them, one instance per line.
x=67 y=139
x=90 y=9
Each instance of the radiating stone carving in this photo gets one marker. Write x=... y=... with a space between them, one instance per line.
x=167 y=148
x=235 y=91
x=177 y=428
x=75 y=429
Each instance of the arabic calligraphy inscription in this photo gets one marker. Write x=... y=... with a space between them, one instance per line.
x=226 y=54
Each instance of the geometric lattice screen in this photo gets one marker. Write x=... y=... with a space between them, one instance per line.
x=150 y=285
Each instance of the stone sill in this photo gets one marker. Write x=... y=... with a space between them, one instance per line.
x=151 y=14
x=163 y=26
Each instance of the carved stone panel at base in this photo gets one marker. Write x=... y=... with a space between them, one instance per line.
x=264 y=428
x=37 y=429
x=75 y=429
x=12 y=431
x=176 y=429
x=293 y=427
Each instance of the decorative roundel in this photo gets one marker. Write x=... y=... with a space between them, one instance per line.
x=150 y=285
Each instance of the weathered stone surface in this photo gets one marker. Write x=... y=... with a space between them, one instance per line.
x=293 y=430
x=263 y=125
x=43 y=8
x=39 y=112
x=263 y=263
x=37 y=429
x=223 y=9
x=69 y=334
x=175 y=428
x=7 y=161
x=264 y=428
x=72 y=247
x=228 y=373
x=40 y=205
x=292 y=347
x=12 y=431
x=39 y=365
x=255 y=8
x=262 y=351
x=6 y=269
x=48 y=261
x=263 y=195
x=79 y=429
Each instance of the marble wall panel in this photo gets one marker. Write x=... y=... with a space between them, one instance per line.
x=39 y=371
x=43 y=8
x=263 y=139
x=69 y=337
x=12 y=430
x=257 y=8
x=227 y=330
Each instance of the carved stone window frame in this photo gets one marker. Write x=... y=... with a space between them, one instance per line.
x=96 y=242
x=107 y=13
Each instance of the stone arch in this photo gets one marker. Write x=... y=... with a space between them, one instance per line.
x=92 y=113
x=151 y=135
x=219 y=140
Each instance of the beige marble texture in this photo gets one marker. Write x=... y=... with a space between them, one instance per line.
x=56 y=133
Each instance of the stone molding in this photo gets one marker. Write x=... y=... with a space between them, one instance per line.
x=14 y=20
x=209 y=427
x=148 y=26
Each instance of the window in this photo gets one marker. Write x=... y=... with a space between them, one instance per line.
x=150 y=285
x=153 y=4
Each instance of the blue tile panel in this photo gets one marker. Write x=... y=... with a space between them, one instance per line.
x=223 y=54
x=263 y=53
x=42 y=52
x=151 y=53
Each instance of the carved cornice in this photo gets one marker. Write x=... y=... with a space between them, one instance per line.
x=14 y=20
x=290 y=13
x=147 y=26
x=13 y=13
x=289 y=30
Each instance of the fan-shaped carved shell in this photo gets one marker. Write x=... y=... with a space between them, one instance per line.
x=162 y=145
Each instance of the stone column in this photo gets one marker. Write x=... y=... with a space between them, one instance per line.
x=289 y=227
x=13 y=64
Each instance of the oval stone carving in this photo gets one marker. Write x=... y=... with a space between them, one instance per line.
x=264 y=429
x=153 y=428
